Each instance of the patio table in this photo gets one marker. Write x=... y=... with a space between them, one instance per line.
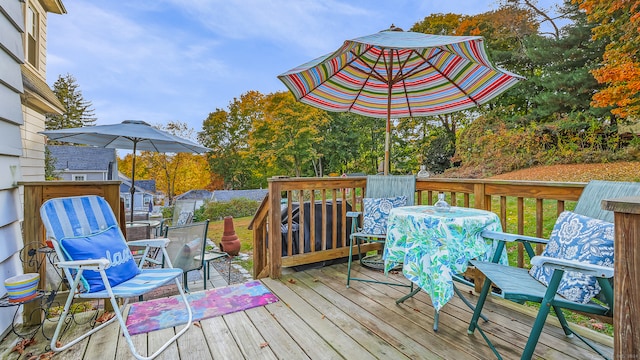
x=434 y=246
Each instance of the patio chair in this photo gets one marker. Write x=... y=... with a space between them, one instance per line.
x=186 y=248
x=97 y=262
x=575 y=268
x=183 y=211
x=388 y=191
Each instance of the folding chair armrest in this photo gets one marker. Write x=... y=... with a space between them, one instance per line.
x=159 y=243
x=91 y=264
x=496 y=235
x=573 y=265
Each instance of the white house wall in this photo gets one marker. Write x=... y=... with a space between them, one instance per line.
x=11 y=47
x=32 y=160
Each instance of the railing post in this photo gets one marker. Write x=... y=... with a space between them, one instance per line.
x=479 y=198
x=275 y=232
x=626 y=309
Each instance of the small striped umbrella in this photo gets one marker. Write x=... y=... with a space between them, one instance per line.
x=398 y=74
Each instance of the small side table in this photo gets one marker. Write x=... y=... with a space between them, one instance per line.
x=208 y=257
x=4 y=302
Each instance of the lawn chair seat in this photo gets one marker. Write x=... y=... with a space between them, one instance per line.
x=382 y=191
x=186 y=248
x=97 y=262
x=556 y=270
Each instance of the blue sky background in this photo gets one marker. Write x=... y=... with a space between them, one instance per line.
x=176 y=60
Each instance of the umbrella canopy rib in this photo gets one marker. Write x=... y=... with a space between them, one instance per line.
x=449 y=80
x=372 y=73
x=320 y=83
x=367 y=74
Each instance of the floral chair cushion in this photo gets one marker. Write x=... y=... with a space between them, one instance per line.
x=376 y=213
x=577 y=237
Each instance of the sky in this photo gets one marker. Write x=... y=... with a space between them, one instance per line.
x=176 y=60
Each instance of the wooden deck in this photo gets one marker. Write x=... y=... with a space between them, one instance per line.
x=318 y=318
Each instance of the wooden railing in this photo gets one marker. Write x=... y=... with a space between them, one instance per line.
x=287 y=193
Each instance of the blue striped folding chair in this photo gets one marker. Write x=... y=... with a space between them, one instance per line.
x=97 y=262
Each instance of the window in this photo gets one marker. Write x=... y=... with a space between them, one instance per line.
x=32 y=36
x=78 y=177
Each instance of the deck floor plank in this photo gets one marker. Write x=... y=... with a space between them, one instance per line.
x=249 y=339
x=317 y=317
x=107 y=344
x=310 y=342
x=513 y=329
x=155 y=340
x=509 y=339
x=75 y=329
x=283 y=345
x=415 y=322
x=220 y=340
x=122 y=347
x=377 y=336
x=331 y=333
x=193 y=345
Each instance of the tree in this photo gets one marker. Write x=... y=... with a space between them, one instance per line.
x=439 y=24
x=564 y=82
x=287 y=138
x=174 y=173
x=78 y=111
x=226 y=132
x=50 y=166
x=618 y=23
x=338 y=152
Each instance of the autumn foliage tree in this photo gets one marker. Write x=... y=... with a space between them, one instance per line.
x=287 y=136
x=618 y=22
x=226 y=132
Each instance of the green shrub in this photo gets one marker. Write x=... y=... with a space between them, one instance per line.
x=237 y=208
x=167 y=212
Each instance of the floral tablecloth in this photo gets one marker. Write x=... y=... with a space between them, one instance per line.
x=432 y=246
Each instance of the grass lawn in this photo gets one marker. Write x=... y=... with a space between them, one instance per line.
x=240 y=225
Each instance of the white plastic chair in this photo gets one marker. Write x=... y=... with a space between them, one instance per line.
x=96 y=260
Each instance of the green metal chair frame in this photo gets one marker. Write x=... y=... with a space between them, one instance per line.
x=378 y=186
x=517 y=285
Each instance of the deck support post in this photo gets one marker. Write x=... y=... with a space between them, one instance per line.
x=626 y=308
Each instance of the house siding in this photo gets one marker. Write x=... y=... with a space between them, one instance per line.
x=32 y=160
x=11 y=53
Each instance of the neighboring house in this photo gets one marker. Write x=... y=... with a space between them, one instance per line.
x=24 y=100
x=144 y=194
x=228 y=195
x=192 y=199
x=195 y=195
x=84 y=163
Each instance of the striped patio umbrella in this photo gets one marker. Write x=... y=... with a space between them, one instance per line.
x=398 y=74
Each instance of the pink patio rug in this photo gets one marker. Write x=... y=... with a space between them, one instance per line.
x=167 y=312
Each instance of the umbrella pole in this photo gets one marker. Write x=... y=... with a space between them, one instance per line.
x=133 y=178
x=386 y=147
x=387 y=137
